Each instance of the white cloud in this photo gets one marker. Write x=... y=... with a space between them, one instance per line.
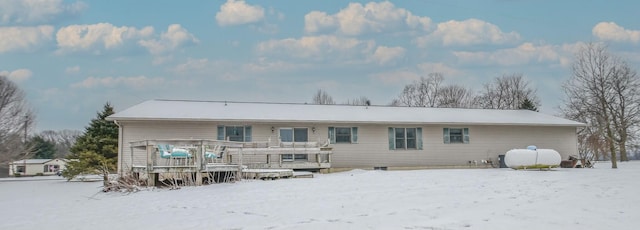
x=315 y=21
x=209 y=69
x=265 y=66
x=24 y=38
x=404 y=76
x=374 y=17
x=610 y=31
x=468 y=32
x=138 y=82
x=174 y=38
x=438 y=67
x=523 y=54
x=238 y=12
x=36 y=11
x=220 y=69
x=192 y=65
x=396 y=77
x=384 y=55
x=18 y=75
x=266 y=28
x=96 y=37
x=72 y=70
x=317 y=47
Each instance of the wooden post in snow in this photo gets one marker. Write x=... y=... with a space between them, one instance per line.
x=151 y=177
x=200 y=163
x=239 y=176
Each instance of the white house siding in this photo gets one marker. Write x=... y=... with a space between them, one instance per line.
x=147 y=130
x=30 y=169
x=372 y=149
x=486 y=142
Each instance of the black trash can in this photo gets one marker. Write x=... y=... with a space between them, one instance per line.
x=501 y=159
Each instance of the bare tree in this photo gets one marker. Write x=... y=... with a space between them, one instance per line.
x=625 y=105
x=63 y=139
x=455 y=96
x=359 y=101
x=16 y=118
x=422 y=93
x=604 y=91
x=506 y=92
x=323 y=98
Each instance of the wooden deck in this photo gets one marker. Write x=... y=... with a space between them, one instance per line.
x=267 y=174
x=275 y=157
x=238 y=159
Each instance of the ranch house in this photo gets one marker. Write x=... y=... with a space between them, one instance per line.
x=329 y=137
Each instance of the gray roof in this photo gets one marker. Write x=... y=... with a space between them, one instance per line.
x=179 y=110
x=34 y=161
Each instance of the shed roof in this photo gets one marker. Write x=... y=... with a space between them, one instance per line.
x=181 y=110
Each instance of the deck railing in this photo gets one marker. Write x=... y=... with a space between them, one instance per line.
x=289 y=155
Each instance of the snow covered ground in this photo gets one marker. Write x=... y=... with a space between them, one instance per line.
x=599 y=198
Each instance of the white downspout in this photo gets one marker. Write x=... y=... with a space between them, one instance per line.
x=120 y=147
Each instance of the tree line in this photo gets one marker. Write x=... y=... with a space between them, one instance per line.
x=509 y=91
x=602 y=92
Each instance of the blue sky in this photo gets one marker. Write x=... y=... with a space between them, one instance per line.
x=70 y=57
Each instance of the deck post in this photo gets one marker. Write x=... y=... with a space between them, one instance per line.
x=131 y=160
x=199 y=157
x=198 y=178
x=239 y=176
x=151 y=177
x=200 y=162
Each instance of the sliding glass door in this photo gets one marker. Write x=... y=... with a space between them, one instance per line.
x=294 y=136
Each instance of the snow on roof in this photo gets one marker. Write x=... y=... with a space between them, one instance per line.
x=181 y=110
x=32 y=161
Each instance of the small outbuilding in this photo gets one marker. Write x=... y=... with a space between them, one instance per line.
x=36 y=167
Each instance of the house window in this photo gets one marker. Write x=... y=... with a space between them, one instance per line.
x=294 y=135
x=51 y=168
x=405 y=138
x=234 y=133
x=20 y=169
x=455 y=135
x=343 y=135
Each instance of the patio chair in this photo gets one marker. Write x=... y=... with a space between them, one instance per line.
x=214 y=155
x=174 y=155
x=211 y=153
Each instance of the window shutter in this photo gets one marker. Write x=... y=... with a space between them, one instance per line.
x=419 y=138
x=392 y=139
x=466 y=135
x=446 y=135
x=354 y=134
x=332 y=135
x=220 y=132
x=247 y=133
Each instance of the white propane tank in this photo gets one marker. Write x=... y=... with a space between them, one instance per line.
x=532 y=159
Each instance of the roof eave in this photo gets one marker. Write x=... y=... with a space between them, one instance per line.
x=341 y=122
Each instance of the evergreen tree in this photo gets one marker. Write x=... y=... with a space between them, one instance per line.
x=42 y=149
x=528 y=104
x=96 y=150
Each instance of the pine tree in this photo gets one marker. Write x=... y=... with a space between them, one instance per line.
x=96 y=150
x=42 y=149
x=528 y=104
